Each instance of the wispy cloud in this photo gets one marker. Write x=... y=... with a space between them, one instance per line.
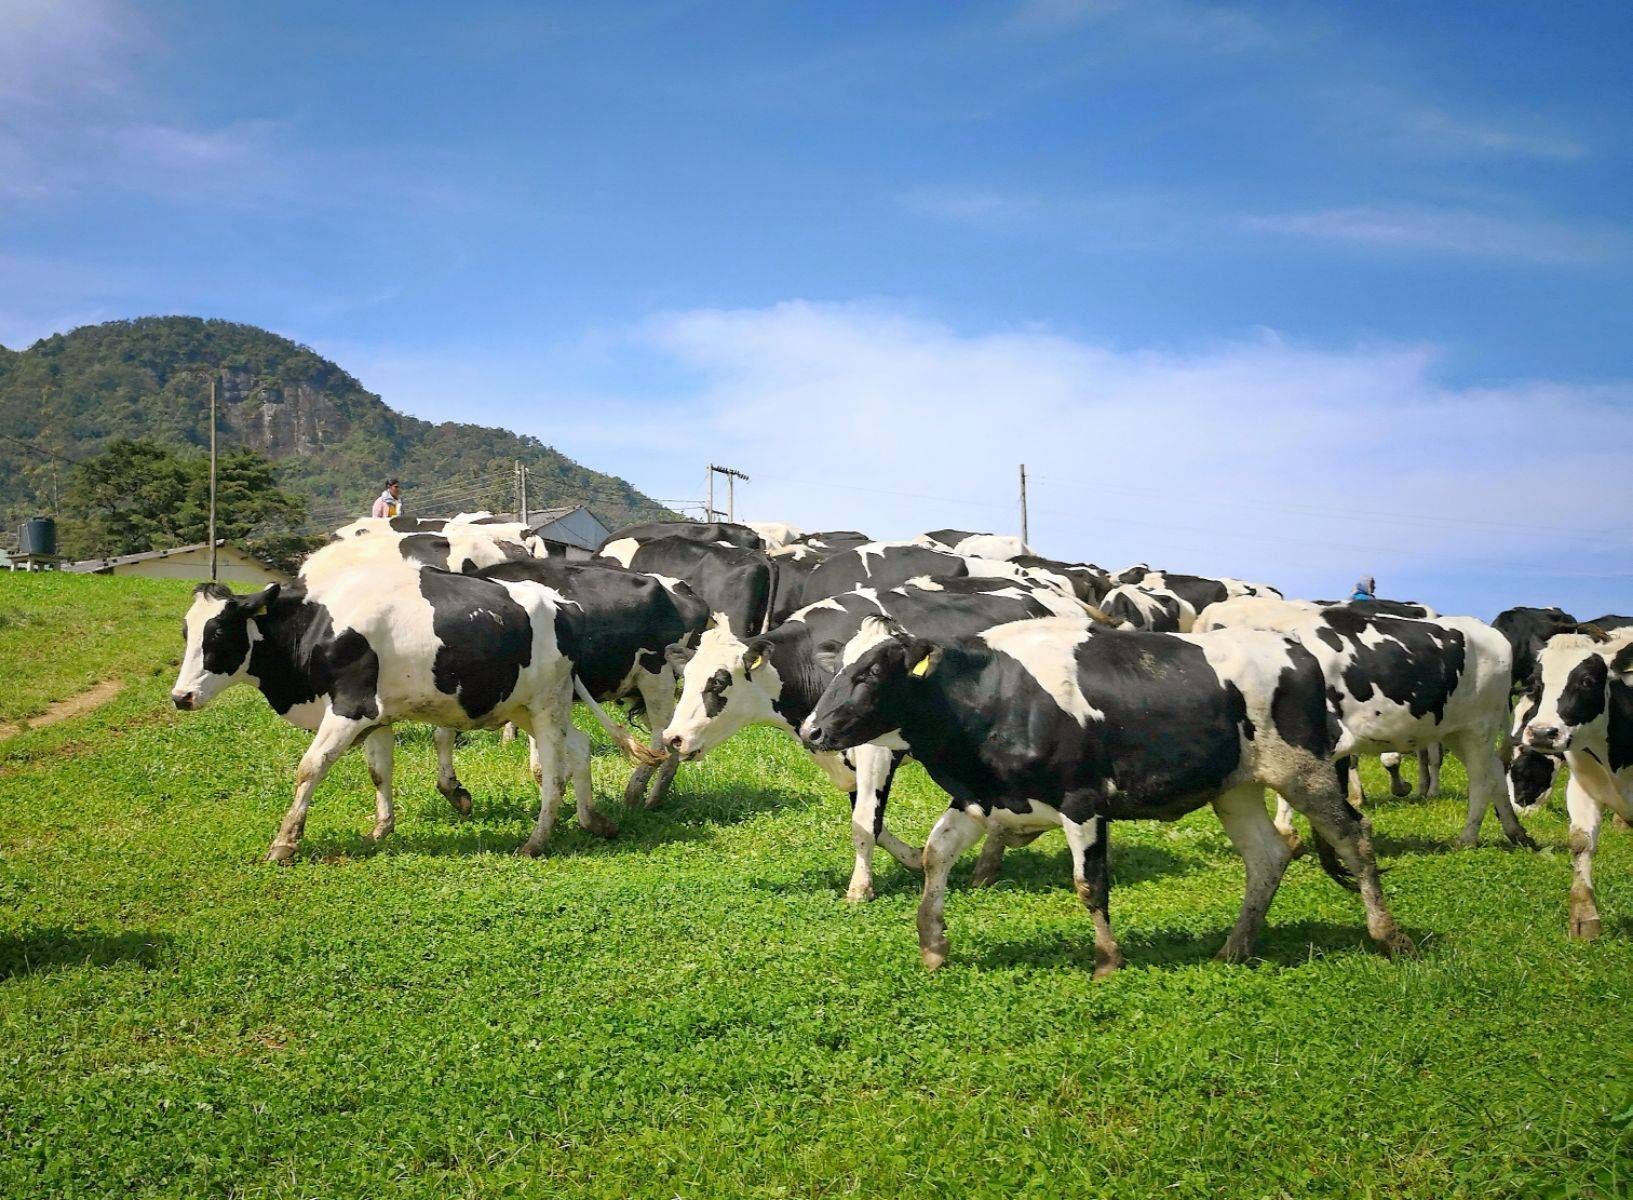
x=56 y=51
x=1442 y=132
x=1451 y=231
x=1220 y=28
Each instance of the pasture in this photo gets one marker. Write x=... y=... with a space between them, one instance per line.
x=691 y=1010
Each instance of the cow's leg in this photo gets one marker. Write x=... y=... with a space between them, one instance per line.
x=378 y=749
x=1585 y=813
x=1241 y=811
x=1350 y=835
x=1091 y=872
x=1398 y=787
x=507 y=735
x=546 y=749
x=1352 y=782
x=658 y=695
x=1488 y=786
x=955 y=831
x=1284 y=825
x=1429 y=760
x=590 y=819
x=335 y=736
x=991 y=862
x=448 y=782
x=875 y=769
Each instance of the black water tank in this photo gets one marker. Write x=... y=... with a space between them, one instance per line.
x=37 y=535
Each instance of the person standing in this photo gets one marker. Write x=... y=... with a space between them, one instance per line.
x=389 y=503
x=1366 y=588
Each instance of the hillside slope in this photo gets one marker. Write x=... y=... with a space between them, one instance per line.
x=72 y=393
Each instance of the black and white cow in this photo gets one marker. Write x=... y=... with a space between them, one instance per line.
x=712 y=532
x=397 y=524
x=462 y=548
x=740 y=584
x=1087 y=581
x=1584 y=714
x=617 y=628
x=1531 y=773
x=1199 y=591
x=733 y=682
x=1039 y=724
x=880 y=565
x=349 y=654
x=974 y=545
x=831 y=541
x=1157 y=610
x=1403 y=684
x=1527 y=631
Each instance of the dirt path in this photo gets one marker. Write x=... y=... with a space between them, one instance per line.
x=74 y=706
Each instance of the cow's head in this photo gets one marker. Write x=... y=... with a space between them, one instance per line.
x=727 y=684
x=880 y=667
x=220 y=630
x=1575 y=672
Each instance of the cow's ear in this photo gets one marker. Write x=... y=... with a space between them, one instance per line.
x=679 y=654
x=829 y=657
x=254 y=604
x=1594 y=632
x=922 y=657
x=754 y=657
x=1622 y=663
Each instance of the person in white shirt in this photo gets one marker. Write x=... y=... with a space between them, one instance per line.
x=389 y=503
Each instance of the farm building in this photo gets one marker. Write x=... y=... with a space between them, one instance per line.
x=233 y=565
x=570 y=531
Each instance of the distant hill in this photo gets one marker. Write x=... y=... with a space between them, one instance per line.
x=334 y=442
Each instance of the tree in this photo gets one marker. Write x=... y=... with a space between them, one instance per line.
x=138 y=495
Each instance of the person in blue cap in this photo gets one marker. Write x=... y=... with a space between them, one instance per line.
x=1366 y=588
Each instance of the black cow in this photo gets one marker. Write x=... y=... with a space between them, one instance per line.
x=617 y=629
x=713 y=532
x=831 y=541
x=733 y=682
x=737 y=583
x=1039 y=724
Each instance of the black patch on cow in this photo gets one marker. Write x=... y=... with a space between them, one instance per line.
x=1416 y=664
x=427 y=549
x=1532 y=775
x=226 y=641
x=714 y=693
x=299 y=658
x=1196 y=590
x=484 y=639
x=1309 y=727
x=1621 y=724
x=1583 y=697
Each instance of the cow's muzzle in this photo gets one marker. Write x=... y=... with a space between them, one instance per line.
x=186 y=701
x=1548 y=739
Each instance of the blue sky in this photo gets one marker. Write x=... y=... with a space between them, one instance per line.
x=1282 y=291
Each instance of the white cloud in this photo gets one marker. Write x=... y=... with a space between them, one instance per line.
x=1451 y=231
x=1442 y=131
x=1255 y=458
x=57 y=51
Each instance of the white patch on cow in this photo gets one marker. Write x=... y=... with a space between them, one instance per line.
x=749 y=698
x=623 y=550
x=1046 y=647
x=871 y=633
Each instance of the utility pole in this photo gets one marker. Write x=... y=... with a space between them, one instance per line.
x=1026 y=540
x=524 y=493
x=732 y=475
x=708 y=503
x=213 y=375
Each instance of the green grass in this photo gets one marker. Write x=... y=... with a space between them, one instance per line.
x=691 y=1010
x=61 y=634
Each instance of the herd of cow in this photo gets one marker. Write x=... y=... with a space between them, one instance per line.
x=1039 y=694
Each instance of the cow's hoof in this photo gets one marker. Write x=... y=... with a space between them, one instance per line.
x=600 y=826
x=1396 y=944
x=1621 y=822
x=381 y=831
x=934 y=955
x=461 y=800
x=1584 y=929
x=1295 y=844
x=859 y=893
x=1400 y=789
x=1104 y=968
x=1524 y=841
x=635 y=789
x=981 y=879
x=1233 y=952
x=529 y=850
x=1467 y=841
x=280 y=853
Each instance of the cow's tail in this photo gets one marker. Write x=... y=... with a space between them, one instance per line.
x=1332 y=864
x=637 y=753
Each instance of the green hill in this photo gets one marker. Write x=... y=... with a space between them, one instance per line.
x=70 y=394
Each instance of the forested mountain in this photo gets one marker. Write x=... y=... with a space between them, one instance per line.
x=71 y=394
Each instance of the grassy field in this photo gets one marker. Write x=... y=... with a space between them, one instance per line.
x=691 y=1010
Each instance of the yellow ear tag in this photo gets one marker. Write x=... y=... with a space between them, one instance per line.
x=754 y=665
x=922 y=667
